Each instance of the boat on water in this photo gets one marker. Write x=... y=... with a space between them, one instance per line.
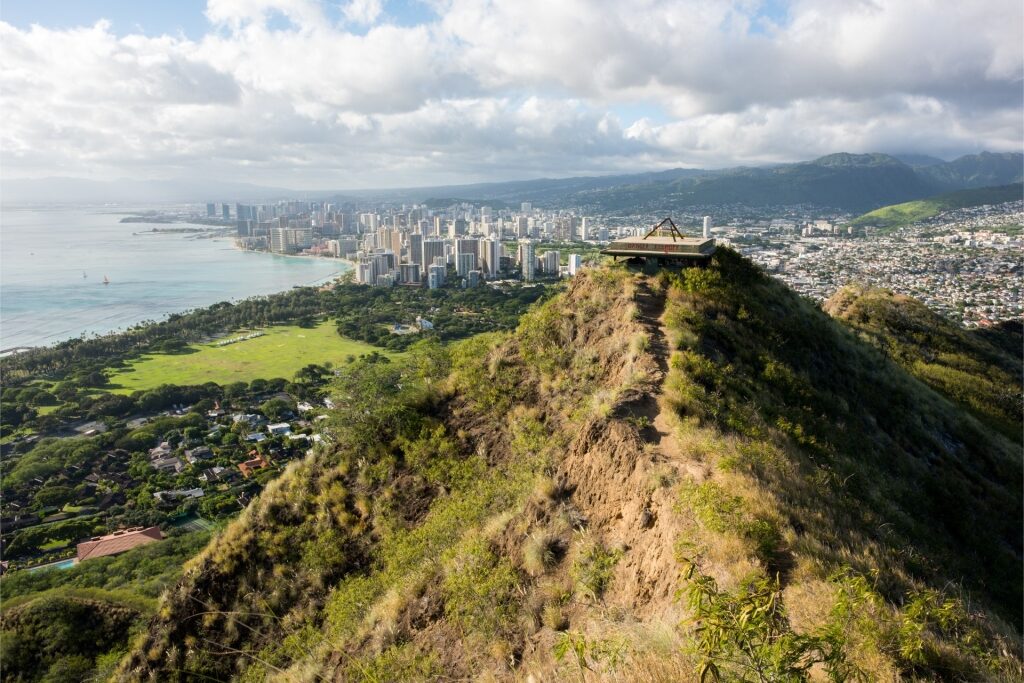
x=84 y=276
x=106 y=280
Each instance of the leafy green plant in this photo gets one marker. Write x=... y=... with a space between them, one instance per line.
x=745 y=636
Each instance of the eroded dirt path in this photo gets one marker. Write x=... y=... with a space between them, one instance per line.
x=651 y=306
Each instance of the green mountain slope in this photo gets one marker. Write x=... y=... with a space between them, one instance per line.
x=977 y=170
x=975 y=369
x=906 y=213
x=75 y=624
x=60 y=637
x=532 y=504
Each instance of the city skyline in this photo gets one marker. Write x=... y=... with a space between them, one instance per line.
x=375 y=94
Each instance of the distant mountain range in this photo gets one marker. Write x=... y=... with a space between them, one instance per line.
x=849 y=182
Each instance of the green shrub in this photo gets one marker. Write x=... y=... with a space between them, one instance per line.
x=593 y=568
x=478 y=589
x=745 y=636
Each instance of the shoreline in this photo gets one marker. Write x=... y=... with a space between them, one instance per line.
x=341 y=261
x=338 y=270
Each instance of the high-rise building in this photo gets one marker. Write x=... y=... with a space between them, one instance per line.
x=473 y=278
x=522 y=227
x=432 y=249
x=569 y=228
x=526 y=207
x=302 y=237
x=551 y=262
x=584 y=229
x=492 y=257
x=707 y=227
x=527 y=260
x=457 y=228
x=467 y=245
x=225 y=212
x=211 y=210
x=347 y=246
x=410 y=273
x=435 y=276
x=465 y=262
x=290 y=240
x=575 y=263
x=383 y=264
x=279 y=240
x=602 y=234
x=415 y=241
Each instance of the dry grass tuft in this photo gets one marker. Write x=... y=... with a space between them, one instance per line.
x=540 y=552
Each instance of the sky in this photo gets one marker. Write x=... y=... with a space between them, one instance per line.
x=357 y=94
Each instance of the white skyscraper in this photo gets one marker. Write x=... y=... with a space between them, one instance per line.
x=492 y=256
x=575 y=263
x=707 y=227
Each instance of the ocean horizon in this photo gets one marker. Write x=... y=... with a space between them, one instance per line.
x=54 y=260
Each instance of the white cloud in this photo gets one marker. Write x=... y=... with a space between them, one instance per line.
x=278 y=91
x=363 y=11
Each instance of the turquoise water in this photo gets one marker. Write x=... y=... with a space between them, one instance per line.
x=44 y=297
x=63 y=564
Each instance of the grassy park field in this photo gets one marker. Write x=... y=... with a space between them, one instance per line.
x=280 y=352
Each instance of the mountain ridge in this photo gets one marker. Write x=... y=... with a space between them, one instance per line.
x=531 y=504
x=855 y=182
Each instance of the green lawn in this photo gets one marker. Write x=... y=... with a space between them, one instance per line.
x=279 y=353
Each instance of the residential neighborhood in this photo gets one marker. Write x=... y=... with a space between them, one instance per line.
x=181 y=467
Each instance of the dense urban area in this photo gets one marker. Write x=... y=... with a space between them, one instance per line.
x=964 y=263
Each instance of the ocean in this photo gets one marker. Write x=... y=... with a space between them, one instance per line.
x=53 y=262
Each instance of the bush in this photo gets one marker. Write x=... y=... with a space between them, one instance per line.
x=592 y=570
x=478 y=589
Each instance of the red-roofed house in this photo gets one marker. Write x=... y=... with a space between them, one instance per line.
x=249 y=467
x=118 y=542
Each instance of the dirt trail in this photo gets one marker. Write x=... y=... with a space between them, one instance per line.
x=652 y=316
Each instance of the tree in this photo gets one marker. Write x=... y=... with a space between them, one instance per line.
x=54 y=495
x=277 y=409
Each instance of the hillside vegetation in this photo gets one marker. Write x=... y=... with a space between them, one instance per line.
x=980 y=369
x=691 y=476
x=851 y=182
x=898 y=215
x=75 y=624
